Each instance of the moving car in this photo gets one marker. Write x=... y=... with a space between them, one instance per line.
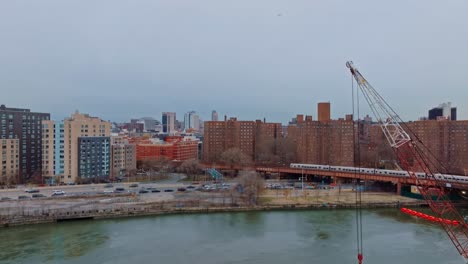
x=31 y=190
x=58 y=193
x=133 y=185
x=38 y=195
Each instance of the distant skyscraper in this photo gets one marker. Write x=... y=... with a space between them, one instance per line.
x=150 y=123
x=323 y=112
x=196 y=122
x=214 y=116
x=25 y=126
x=192 y=121
x=179 y=125
x=168 y=122
x=367 y=119
x=187 y=120
x=443 y=111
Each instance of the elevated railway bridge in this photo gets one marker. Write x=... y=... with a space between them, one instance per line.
x=337 y=176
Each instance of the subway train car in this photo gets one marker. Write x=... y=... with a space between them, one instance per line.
x=393 y=173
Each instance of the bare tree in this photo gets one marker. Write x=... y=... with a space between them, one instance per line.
x=144 y=165
x=253 y=185
x=131 y=173
x=286 y=150
x=265 y=151
x=234 y=157
x=233 y=194
x=161 y=164
x=36 y=177
x=191 y=167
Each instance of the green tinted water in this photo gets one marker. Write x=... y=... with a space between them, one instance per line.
x=255 y=237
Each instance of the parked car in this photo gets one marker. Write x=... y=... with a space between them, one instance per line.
x=168 y=190
x=143 y=191
x=181 y=189
x=108 y=191
x=58 y=193
x=108 y=185
x=23 y=197
x=133 y=185
x=38 y=195
x=190 y=187
x=155 y=191
x=5 y=199
x=31 y=190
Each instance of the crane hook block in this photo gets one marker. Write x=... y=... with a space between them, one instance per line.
x=360 y=258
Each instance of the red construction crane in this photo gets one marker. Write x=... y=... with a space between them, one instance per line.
x=414 y=157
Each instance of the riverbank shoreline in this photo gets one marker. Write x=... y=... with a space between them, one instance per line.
x=152 y=209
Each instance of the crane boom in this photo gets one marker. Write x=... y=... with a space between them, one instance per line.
x=412 y=156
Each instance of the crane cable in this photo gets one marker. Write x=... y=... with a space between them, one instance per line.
x=357 y=159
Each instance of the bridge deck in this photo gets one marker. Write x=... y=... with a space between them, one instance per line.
x=339 y=174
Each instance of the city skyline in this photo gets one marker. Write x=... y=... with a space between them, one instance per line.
x=246 y=59
x=207 y=116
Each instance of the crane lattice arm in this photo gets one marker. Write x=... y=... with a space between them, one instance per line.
x=413 y=157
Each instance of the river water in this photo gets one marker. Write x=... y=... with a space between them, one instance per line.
x=279 y=237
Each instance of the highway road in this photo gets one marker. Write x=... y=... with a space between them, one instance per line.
x=172 y=182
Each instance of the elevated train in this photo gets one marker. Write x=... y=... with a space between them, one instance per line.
x=394 y=173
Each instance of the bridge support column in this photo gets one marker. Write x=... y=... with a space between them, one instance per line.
x=336 y=180
x=398 y=188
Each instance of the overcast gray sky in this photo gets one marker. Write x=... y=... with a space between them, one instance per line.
x=248 y=58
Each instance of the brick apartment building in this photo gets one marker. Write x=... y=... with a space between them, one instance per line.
x=323 y=112
x=331 y=142
x=323 y=142
x=447 y=141
x=174 y=148
x=220 y=136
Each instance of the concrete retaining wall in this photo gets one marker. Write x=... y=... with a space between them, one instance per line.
x=51 y=216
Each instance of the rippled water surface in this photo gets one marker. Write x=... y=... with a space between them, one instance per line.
x=255 y=237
